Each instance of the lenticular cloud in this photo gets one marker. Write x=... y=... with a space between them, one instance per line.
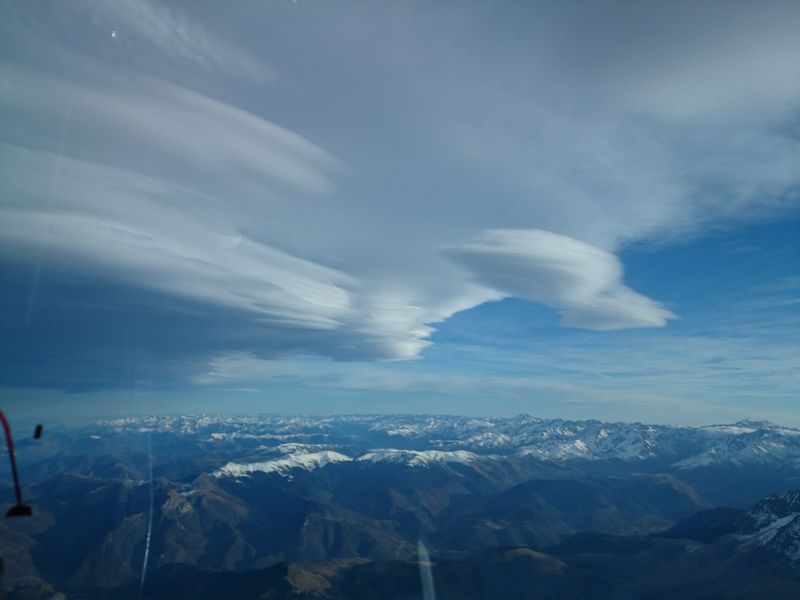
x=583 y=282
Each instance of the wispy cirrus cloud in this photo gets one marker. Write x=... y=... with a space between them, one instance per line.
x=135 y=33
x=177 y=36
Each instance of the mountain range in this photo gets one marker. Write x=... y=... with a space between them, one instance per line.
x=375 y=506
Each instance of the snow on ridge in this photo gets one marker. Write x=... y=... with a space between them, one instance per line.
x=746 y=450
x=562 y=451
x=308 y=461
x=728 y=429
x=402 y=431
x=454 y=427
x=770 y=528
x=685 y=447
x=774 y=523
x=228 y=436
x=417 y=458
x=295 y=456
x=301 y=448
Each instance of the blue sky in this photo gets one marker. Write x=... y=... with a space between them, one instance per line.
x=581 y=210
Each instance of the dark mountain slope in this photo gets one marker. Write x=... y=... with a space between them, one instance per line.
x=540 y=513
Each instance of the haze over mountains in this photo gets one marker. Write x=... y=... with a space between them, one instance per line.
x=339 y=507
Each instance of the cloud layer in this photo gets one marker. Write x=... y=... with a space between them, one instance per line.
x=301 y=178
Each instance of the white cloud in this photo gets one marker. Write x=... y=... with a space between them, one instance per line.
x=138 y=32
x=157 y=237
x=177 y=36
x=584 y=282
x=195 y=134
x=317 y=210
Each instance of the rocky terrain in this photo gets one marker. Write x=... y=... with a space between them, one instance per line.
x=376 y=506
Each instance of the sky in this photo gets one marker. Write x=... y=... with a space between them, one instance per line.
x=567 y=209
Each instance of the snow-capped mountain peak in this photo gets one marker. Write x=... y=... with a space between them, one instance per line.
x=295 y=460
x=684 y=448
x=416 y=458
x=774 y=523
